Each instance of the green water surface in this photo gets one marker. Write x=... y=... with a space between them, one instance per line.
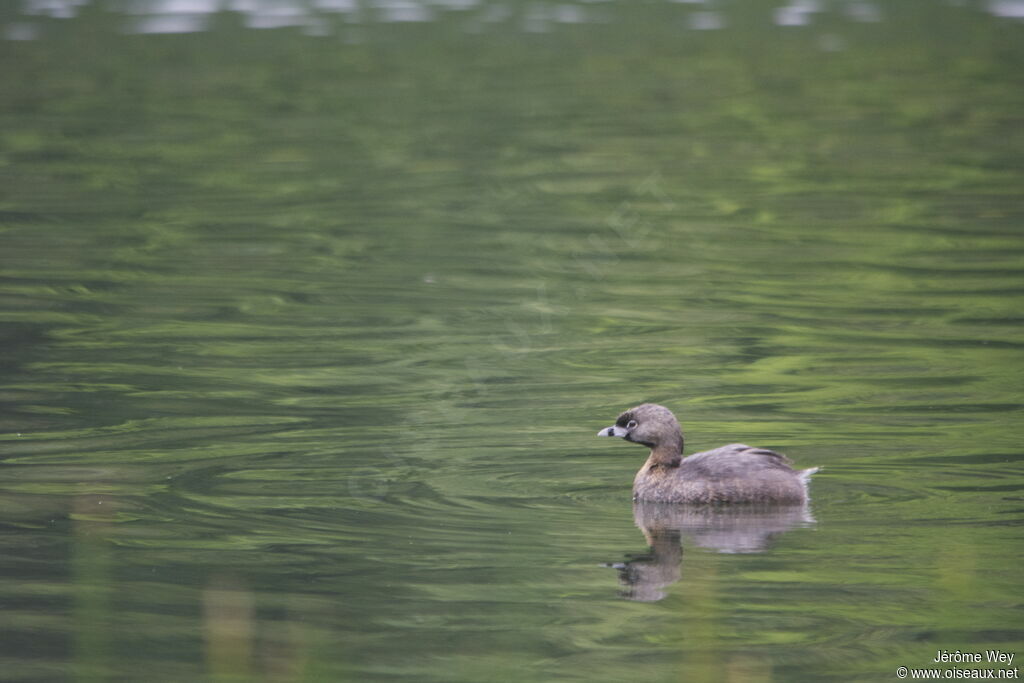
x=306 y=333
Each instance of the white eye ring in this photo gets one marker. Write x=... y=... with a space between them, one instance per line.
x=631 y=424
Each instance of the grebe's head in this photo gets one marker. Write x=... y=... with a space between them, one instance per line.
x=648 y=424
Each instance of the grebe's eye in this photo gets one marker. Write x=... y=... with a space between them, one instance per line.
x=631 y=425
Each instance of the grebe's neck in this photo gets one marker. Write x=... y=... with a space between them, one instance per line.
x=668 y=453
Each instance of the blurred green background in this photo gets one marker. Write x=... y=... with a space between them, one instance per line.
x=309 y=312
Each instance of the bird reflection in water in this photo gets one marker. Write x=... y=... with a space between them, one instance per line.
x=726 y=529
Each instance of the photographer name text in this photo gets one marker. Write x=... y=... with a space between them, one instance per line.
x=958 y=656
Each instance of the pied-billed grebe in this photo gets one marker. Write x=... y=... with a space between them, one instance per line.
x=736 y=473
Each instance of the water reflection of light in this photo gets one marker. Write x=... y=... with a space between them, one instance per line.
x=399 y=10
x=570 y=14
x=175 y=7
x=61 y=9
x=1009 y=9
x=336 y=5
x=169 y=23
x=706 y=21
x=170 y=16
x=540 y=19
x=863 y=11
x=313 y=16
x=796 y=14
x=277 y=17
x=458 y=4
